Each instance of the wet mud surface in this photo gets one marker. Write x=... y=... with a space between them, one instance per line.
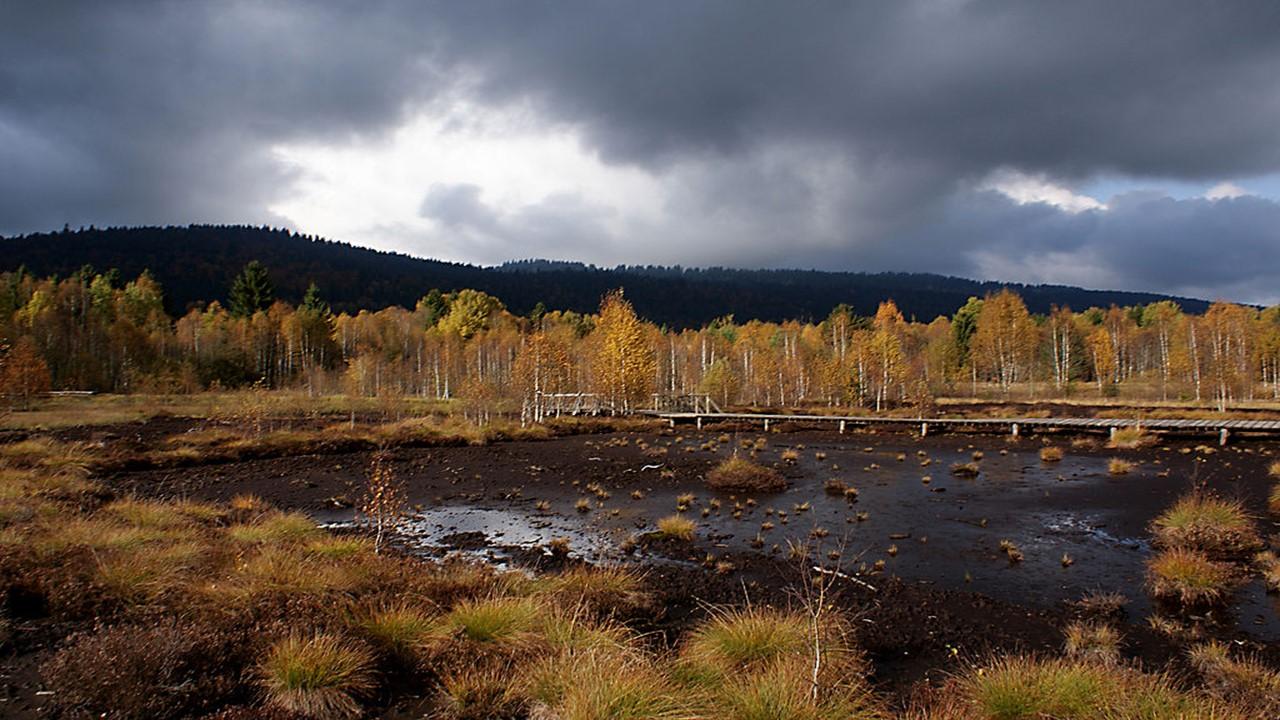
x=945 y=588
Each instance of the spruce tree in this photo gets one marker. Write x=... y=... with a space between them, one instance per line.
x=251 y=291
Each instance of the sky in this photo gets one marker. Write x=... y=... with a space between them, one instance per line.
x=1131 y=145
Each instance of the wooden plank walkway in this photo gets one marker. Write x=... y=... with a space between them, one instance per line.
x=1014 y=425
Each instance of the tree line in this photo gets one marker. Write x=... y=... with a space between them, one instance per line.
x=197 y=263
x=96 y=331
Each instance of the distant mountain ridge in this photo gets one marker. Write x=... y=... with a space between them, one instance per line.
x=196 y=263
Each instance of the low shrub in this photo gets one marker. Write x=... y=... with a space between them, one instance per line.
x=1209 y=524
x=1188 y=577
x=738 y=474
x=320 y=676
x=167 y=669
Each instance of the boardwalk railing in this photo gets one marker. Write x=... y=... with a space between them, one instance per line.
x=1015 y=426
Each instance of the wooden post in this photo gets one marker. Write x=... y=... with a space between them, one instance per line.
x=1113 y=434
x=699 y=422
x=1222 y=436
x=672 y=421
x=924 y=429
x=841 y=427
x=1015 y=429
x=766 y=424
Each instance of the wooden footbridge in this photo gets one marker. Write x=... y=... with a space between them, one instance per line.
x=1014 y=426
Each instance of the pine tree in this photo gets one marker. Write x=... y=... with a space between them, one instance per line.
x=251 y=291
x=311 y=302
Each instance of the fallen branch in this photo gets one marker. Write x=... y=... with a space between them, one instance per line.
x=845 y=576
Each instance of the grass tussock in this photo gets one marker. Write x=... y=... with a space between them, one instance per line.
x=596 y=684
x=1245 y=682
x=480 y=692
x=760 y=663
x=1092 y=641
x=966 y=470
x=276 y=528
x=1098 y=604
x=1119 y=466
x=1051 y=454
x=1206 y=523
x=1130 y=438
x=1023 y=688
x=1273 y=499
x=1269 y=568
x=397 y=629
x=605 y=590
x=738 y=474
x=321 y=676
x=1188 y=577
x=676 y=527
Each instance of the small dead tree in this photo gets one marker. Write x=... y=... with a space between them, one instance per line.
x=384 y=501
x=817 y=593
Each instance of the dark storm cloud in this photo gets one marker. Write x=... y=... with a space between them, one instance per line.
x=166 y=112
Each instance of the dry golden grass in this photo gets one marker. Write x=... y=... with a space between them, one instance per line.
x=1022 y=688
x=397 y=628
x=1130 y=438
x=739 y=474
x=605 y=589
x=967 y=470
x=676 y=527
x=1188 y=577
x=1244 y=681
x=276 y=528
x=1203 y=522
x=1099 y=604
x=1092 y=641
x=595 y=685
x=1119 y=466
x=321 y=676
x=1269 y=568
x=1051 y=454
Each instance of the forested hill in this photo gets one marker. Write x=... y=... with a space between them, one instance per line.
x=196 y=264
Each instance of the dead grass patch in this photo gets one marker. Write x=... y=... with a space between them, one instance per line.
x=738 y=474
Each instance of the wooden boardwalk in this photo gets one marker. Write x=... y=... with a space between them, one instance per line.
x=1012 y=425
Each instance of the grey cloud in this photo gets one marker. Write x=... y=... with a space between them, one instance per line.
x=851 y=133
x=560 y=225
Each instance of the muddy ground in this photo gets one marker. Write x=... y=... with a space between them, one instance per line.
x=946 y=592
